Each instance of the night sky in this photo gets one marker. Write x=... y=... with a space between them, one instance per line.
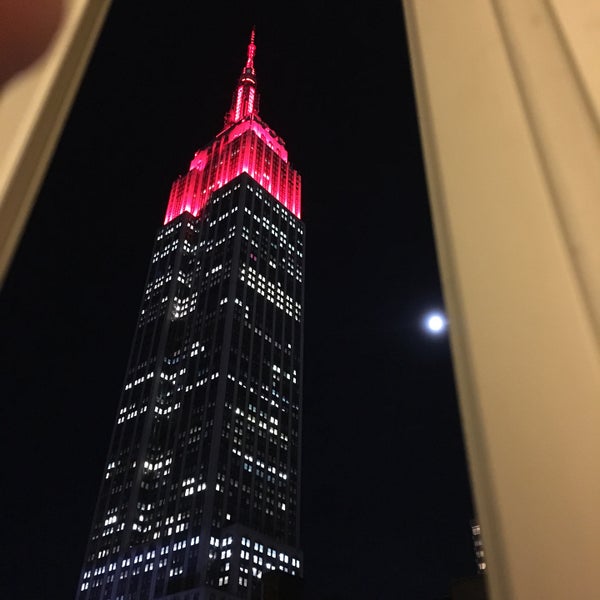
x=386 y=501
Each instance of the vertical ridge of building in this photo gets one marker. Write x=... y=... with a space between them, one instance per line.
x=200 y=496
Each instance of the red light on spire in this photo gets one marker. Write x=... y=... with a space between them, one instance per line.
x=246 y=145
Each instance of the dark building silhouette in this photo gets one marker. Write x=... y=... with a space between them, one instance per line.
x=469 y=588
x=201 y=490
x=277 y=585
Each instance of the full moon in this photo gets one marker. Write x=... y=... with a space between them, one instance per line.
x=435 y=323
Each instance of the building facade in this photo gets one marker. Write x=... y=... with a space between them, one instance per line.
x=201 y=491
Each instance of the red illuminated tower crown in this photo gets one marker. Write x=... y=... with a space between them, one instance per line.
x=245 y=145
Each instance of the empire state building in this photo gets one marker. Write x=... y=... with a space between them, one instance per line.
x=200 y=496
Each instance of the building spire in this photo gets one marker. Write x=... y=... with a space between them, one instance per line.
x=245 y=98
x=251 y=52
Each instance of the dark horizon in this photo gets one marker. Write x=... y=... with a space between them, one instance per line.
x=386 y=502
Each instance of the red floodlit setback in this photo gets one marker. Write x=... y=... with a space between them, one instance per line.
x=245 y=145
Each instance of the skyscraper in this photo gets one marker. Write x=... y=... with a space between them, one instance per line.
x=201 y=491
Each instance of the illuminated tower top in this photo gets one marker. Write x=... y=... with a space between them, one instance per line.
x=245 y=145
x=245 y=98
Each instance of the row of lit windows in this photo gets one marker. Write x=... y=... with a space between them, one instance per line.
x=270 y=226
x=272 y=292
x=262 y=424
x=165 y=251
x=137 y=382
x=147 y=561
x=278 y=208
x=169 y=230
x=273 y=402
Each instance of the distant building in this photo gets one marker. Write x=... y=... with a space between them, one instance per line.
x=472 y=587
x=478 y=546
x=200 y=494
